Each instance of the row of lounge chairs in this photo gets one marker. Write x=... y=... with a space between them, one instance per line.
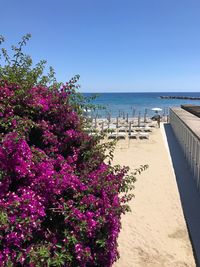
x=122 y=130
x=123 y=127
x=132 y=135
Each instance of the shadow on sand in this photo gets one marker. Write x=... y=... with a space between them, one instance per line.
x=189 y=195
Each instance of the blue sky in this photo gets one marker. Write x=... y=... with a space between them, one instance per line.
x=115 y=45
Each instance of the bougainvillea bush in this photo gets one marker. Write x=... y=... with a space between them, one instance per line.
x=59 y=201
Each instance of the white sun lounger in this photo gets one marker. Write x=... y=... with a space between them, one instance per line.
x=139 y=129
x=147 y=129
x=122 y=129
x=94 y=134
x=112 y=127
x=121 y=135
x=143 y=135
x=116 y=135
x=112 y=135
x=133 y=135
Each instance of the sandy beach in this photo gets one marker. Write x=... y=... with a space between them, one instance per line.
x=154 y=234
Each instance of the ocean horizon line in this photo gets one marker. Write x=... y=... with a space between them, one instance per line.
x=145 y=92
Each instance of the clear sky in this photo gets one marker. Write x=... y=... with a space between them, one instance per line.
x=115 y=45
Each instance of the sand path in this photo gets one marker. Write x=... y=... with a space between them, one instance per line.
x=154 y=234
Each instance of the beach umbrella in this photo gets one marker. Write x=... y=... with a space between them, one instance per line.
x=129 y=130
x=126 y=117
x=139 y=119
x=109 y=117
x=117 y=122
x=102 y=126
x=145 y=115
x=95 y=122
x=156 y=109
x=133 y=113
x=87 y=110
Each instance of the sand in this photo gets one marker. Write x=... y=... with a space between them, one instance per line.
x=154 y=234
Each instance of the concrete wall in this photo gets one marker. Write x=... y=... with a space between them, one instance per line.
x=186 y=128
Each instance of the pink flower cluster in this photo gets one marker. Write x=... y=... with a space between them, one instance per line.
x=59 y=201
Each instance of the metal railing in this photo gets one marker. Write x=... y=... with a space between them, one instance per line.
x=189 y=142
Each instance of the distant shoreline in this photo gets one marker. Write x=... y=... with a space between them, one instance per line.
x=180 y=97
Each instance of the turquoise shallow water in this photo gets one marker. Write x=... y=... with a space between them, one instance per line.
x=133 y=103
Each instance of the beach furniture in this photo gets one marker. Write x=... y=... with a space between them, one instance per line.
x=93 y=134
x=156 y=109
x=109 y=117
x=133 y=113
x=134 y=124
x=95 y=122
x=112 y=127
x=104 y=127
x=142 y=124
x=99 y=121
x=112 y=135
x=147 y=129
x=121 y=135
x=116 y=135
x=122 y=121
x=117 y=122
x=143 y=135
x=129 y=128
x=90 y=129
x=145 y=115
x=122 y=129
x=139 y=129
x=133 y=135
x=139 y=114
x=127 y=117
x=132 y=130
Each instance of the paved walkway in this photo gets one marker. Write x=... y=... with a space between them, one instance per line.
x=154 y=234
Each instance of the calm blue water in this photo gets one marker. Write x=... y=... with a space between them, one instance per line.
x=133 y=103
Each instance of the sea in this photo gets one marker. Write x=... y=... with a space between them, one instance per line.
x=133 y=104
